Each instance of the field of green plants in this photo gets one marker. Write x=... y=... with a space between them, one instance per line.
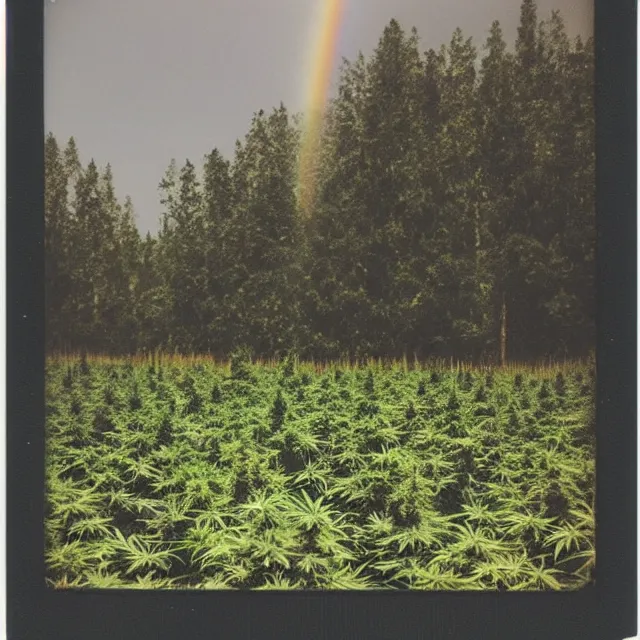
x=178 y=473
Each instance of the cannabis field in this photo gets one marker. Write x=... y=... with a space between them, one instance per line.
x=167 y=472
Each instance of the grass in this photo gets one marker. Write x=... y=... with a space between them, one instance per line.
x=171 y=472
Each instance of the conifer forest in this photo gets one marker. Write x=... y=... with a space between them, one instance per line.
x=388 y=383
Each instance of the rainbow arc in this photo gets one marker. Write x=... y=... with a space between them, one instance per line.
x=323 y=60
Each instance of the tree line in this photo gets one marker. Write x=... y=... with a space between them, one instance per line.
x=453 y=215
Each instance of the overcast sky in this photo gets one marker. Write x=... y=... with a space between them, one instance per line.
x=138 y=82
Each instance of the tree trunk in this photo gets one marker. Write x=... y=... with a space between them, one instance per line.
x=503 y=332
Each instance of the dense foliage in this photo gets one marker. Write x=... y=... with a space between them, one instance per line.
x=176 y=473
x=454 y=215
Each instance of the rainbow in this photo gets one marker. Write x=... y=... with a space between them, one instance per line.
x=322 y=67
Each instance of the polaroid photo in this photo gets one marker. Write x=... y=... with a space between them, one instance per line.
x=321 y=319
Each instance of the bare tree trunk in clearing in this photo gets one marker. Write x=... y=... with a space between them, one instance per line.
x=503 y=332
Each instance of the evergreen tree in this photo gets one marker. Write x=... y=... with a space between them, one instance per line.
x=395 y=198
x=128 y=258
x=113 y=299
x=501 y=133
x=182 y=248
x=57 y=248
x=265 y=237
x=459 y=266
x=526 y=45
x=336 y=303
x=151 y=296
x=87 y=237
x=219 y=255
